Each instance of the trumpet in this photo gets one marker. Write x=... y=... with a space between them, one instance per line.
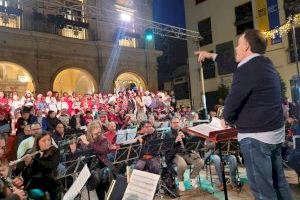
x=15 y=162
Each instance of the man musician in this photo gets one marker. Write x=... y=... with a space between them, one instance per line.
x=179 y=156
x=212 y=156
x=149 y=161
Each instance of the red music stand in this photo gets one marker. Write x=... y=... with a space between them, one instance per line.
x=218 y=137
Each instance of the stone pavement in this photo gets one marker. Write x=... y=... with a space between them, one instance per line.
x=207 y=192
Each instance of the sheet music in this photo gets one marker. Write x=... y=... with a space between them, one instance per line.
x=142 y=186
x=127 y=133
x=78 y=184
x=205 y=129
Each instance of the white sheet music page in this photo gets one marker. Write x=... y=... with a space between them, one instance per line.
x=142 y=186
x=205 y=129
x=78 y=184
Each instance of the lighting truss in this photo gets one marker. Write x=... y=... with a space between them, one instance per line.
x=105 y=15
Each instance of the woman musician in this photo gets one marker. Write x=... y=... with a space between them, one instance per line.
x=10 y=189
x=96 y=141
x=38 y=167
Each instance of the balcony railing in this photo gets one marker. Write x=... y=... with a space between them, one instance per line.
x=58 y=25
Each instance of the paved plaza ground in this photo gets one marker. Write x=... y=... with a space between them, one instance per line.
x=207 y=192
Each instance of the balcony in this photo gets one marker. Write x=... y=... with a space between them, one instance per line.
x=66 y=26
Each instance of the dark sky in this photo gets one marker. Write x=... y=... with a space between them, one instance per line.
x=169 y=12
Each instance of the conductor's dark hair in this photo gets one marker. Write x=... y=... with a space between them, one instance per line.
x=256 y=40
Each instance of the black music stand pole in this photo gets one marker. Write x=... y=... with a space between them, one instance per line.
x=223 y=170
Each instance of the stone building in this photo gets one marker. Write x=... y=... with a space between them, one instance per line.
x=221 y=23
x=75 y=46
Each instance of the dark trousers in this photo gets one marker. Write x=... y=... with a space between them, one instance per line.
x=151 y=165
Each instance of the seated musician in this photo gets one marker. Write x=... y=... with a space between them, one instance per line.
x=149 y=161
x=10 y=189
x=59 y=132
x=28 y=143
x=111 y=133
x=182 y=158
x=39 y=166
x=211 y=156
x=98 y=142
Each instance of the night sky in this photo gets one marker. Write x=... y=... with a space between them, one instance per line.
x=169 y=12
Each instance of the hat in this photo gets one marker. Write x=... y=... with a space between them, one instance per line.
x=26 y=109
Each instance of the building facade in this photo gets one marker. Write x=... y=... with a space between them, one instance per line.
x=75 y=46
x=221 y=23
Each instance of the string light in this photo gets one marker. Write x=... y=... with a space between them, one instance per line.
x=283 y=29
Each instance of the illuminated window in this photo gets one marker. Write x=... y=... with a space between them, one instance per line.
x=10 y=19
x=75 y=17
x=126 y=16
x=74 y=32
x=127 y=42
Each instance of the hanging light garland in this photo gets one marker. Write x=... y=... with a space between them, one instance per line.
x=283 y=29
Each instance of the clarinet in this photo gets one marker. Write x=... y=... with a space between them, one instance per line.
x=8 y=182
x=181 y=142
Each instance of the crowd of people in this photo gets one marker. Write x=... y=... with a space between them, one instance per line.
x=36 y=126
x=31 y=124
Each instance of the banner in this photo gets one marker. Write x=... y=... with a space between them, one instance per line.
x=268 y=17
x=274 y=21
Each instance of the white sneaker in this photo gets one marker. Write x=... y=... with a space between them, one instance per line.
x=181 y=187
x=194 y=182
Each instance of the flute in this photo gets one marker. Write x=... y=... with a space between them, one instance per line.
x=12 y=163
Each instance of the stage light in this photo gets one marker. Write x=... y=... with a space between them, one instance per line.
x=149 y=35
x=125 y=17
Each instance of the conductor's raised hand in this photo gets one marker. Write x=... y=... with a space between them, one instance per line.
x=202 y=55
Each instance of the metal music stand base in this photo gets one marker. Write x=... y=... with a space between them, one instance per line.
x=74 y=174
x=162 y=188
x=223 y=171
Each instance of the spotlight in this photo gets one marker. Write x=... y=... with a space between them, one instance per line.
x=125 y=17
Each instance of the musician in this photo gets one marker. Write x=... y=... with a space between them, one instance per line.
x=111 y=133
x=59 y=132
x=38 y=170
x=26 y=119
x=180 y=157
x=98 y=142
x=149 y=161
x=77 y=120
x=6 y=192
x=211 y=156
x=52 y=120
x=28 y=143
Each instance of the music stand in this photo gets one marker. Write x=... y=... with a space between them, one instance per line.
x=162 y=131
x=193 y=144
x=161 y=146
x=218 y=137
x=125 y=135
x=75 y=165
x=127 y=152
